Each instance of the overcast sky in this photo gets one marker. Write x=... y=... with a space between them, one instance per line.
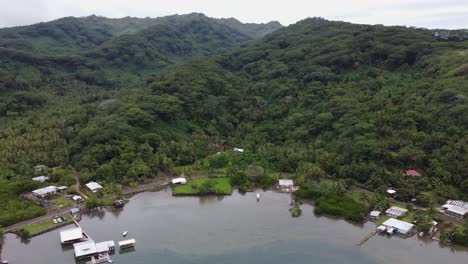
x=451 y=14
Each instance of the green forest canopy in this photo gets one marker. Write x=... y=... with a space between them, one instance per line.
x=356 y=102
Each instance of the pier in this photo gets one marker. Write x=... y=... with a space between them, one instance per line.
x=365 y=239
x=84 y=232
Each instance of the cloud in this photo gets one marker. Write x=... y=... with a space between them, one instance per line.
x=422 y=13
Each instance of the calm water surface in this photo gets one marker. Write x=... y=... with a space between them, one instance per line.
x=231 y=229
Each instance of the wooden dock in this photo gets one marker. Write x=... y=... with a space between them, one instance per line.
x=84 y=232
x=365 y=239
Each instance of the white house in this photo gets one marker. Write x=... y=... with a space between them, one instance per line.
x=94 y=186
x=90 y=248
x=40 y=178
x=45 y=191
x=285 y=183
x=393 y=225
x=395 y=211
x=62 y=188
x=71 y=235
x=375 y=215
x=180 y=180
x=77 y=198
x=456 y=208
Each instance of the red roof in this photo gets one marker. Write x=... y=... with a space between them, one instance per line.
x=413 y=173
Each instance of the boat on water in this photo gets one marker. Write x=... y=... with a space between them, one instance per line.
x=258 y=196
x=125 y=233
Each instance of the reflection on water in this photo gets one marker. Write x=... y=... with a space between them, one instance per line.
x=230 y=229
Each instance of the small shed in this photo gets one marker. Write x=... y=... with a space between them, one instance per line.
x=40 y=178
x=77 y=198
x=94 y=186
x=74 y=210
x=375 y=215
x=285 y=183
x=127 y=243
x=62 y=188
x=179 y=180
x=391 y=192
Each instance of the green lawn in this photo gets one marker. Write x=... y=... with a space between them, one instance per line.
x=62 y=202
x=45 y=225
x=202 y=186
x=194 y=170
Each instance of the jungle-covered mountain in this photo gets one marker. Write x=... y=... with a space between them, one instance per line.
x=334 y=99
x=113 y=52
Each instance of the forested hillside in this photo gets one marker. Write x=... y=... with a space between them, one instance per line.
x=55 y=75
x=333 y=99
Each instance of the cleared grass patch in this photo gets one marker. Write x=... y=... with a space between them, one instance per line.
x=204 y=186
x=43 y=226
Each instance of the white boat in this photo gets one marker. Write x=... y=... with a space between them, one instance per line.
x=55 y=221
x=125 y=233
x=258 y=196
x=59 y=220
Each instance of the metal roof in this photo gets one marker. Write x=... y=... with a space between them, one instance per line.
x=40 y=178
x=179 y=180
x=93 y=186
x=85 y=248
x=71 y=234
x=394 y=210
x=458 y=210
x=45 y=191
x=402 y=226
x=127 y=242
x=284 y=182
x=375 y=213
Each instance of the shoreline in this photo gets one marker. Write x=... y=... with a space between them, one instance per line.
x=158 y=185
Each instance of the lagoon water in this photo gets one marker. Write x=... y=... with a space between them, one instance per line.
x=230 y=229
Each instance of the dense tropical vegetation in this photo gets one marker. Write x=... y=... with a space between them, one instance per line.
x=358 y=104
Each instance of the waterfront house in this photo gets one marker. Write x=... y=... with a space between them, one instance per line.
x=456 y=208
x=40 y=178
x=394 y=225
x=285 y=183
x=127 y=243
x=94 y=186
x=72 y=235
x=43 y=192
x=179 y=180
x=88 y=249
x=413 y=173
x=374 y=215
x=396 y=211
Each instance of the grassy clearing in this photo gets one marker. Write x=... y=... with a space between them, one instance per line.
x=203 y=186
x=46 y=225
x=193 y=169
x=62 y=202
